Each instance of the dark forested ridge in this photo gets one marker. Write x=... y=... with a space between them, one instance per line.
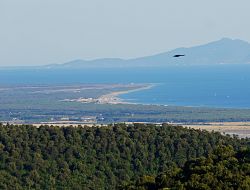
x=224 y=168
x=102 y=157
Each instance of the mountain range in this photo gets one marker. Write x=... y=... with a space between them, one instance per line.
x=224 y=51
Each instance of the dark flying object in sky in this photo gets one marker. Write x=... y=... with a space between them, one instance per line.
x=178 y=55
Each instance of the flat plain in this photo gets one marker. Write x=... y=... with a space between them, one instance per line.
x=96 y=104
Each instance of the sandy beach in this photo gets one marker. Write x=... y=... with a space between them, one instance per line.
x=113 y=97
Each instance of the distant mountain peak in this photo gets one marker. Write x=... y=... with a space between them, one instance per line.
x=226 y=39
x=230 y=40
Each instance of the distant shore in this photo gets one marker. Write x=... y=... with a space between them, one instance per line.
x=113 y=97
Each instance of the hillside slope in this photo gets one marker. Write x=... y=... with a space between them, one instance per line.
x=97 y=158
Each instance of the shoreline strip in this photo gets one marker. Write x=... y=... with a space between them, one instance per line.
x=113 y=97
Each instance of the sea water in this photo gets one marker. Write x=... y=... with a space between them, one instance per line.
x=211 y=86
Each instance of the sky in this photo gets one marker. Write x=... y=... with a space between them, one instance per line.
x=40 y=32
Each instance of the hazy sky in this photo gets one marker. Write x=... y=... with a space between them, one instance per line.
x=38 y=32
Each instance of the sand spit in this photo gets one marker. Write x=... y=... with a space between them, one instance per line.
x=112 y=97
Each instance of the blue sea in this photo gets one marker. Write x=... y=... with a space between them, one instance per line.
x=225 y=86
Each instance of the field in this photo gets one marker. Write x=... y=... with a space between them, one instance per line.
x=242 y=129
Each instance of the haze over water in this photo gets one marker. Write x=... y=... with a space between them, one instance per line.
x=210 y=86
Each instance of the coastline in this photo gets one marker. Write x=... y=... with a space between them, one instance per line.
x=113 y=97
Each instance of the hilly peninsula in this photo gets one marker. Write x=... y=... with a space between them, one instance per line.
x=224 y=51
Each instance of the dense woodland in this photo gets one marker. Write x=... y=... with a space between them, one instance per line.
x=224 y=168
x=120 y=156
